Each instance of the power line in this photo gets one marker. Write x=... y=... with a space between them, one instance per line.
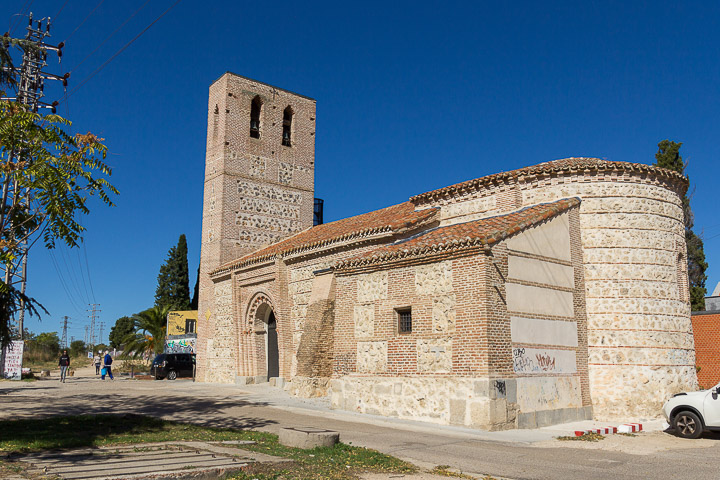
x=23 y=12
x=110 y=36
x=87 y=267
x=63 y=284
x=84 y=20
x=61 y=9
x=89 y=77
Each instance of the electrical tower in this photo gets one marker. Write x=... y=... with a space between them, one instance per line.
x=100 y=337
x=30 y=80
x=86 y=334
x=64 y=341
x=93 y=316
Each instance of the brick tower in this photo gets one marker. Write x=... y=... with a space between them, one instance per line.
x=259 y=180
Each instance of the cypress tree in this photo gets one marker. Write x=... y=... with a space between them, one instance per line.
x=668 y=156
x=173 y=288
x=196 y=292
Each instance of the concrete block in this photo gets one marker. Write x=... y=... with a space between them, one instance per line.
x=308 y=437
x=479 y=413
x=277 y=382
x=383 y=389
x=457 y=411
x=482 y=388
x=526 y=420
x=498 y=388
x=511 y=386
x=242 y=380
x=498 y=411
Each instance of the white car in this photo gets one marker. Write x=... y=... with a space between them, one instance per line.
x=689 y=414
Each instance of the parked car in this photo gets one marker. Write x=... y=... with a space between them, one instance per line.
x=173 y=365
x=692 y=413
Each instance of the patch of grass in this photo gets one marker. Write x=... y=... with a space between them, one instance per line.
x=586 y=437
x=339 y=462
x=27 y=435
x=627 y=434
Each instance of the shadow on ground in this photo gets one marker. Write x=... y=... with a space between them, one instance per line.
x=211 y=412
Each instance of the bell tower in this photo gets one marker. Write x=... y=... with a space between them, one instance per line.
x=259 y=173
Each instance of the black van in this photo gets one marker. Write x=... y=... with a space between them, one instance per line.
x=173 y=365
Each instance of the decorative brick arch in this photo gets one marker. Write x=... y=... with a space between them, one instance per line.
x=256 y=334
x=258 y=310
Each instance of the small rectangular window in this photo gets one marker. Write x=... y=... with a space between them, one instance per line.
x=189 y=326
x=404 y=320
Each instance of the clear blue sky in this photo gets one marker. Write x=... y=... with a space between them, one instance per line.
x=411 y=96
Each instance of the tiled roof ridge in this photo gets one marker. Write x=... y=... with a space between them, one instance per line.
x=276 y=250
x=526 y=217
x=563 y=164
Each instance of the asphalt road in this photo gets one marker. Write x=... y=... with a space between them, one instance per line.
x=515 y=455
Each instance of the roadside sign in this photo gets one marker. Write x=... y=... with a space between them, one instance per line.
x=12 y=360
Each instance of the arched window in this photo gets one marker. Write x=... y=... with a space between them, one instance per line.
x=255 y=117
x=287 y=124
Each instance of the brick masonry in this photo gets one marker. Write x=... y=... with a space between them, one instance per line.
x=545 y=294
x=706 y=330
x=257 y=191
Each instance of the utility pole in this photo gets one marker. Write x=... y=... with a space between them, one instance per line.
x=93 y=316
x=30 y=89
x=64 y=341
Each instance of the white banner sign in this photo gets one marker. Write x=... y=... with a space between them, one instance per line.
x=13 y=354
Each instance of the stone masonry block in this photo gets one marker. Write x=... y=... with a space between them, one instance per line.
x=308 y=437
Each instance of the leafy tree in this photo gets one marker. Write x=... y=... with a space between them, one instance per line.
x=77 y=348
x=122 y=328
x=44 y=347
x=46 y=179
x=196 y=292
x=668 y=156
x=173 y=288
x=48 y=341
x=148 y=334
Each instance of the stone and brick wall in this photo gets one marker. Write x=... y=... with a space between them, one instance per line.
x=257 y=191
x=637 y=297
x=706 y=330
x=472 y=357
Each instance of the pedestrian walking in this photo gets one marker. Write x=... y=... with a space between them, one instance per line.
x=64 y=364
x=97 y=361
x=107 y=362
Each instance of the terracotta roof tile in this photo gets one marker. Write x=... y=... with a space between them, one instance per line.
x=395 y=219
x=555 y=166
x=486 y=231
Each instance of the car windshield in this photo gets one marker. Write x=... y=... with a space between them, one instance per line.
x=159 y=359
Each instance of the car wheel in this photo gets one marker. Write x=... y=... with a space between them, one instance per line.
x=172 y=375
x=687 y=425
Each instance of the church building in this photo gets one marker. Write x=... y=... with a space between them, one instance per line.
x=551 y=293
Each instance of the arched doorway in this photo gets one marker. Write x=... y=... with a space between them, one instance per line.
x=273 y=354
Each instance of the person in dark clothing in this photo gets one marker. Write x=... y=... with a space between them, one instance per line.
x=64 y=365
x=107 y=361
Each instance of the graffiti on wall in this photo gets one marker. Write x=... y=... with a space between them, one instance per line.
x=540 y=360
x=180 y=345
